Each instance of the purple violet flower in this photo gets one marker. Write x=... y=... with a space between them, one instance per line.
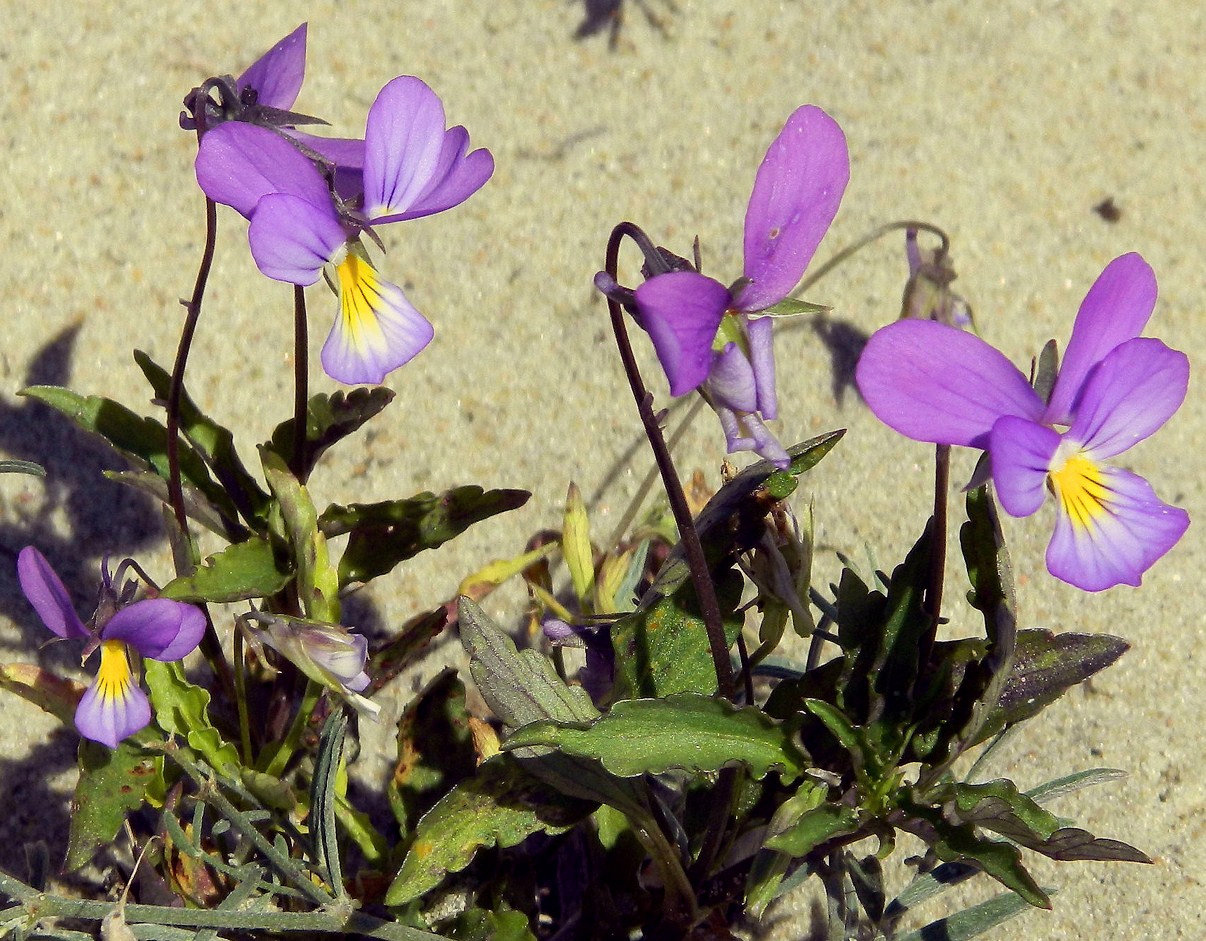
x=413 y=167
x=796 y=194
x=936 y=383
x=113 y=707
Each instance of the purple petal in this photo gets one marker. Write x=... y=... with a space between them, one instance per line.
x=1021 y=455
x=744 y=431
x=403 y=139
x=1129 y=395
x=455 y=178
x=796 y=195
x=277 y=74
x=935 y=383
x=1118 y=541
x=45 y=591
x=346 y=153
x=1115 y=310
x=377 y=330
x=113 y=707
x=238 y=164
x=291 y=238
x=681 y=312
x=762 y=357
x=158 y=628
x=731 y=380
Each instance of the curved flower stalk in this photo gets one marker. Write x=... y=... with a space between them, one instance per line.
x=939 y=384
x=329 y=654
x=413 y=167
x=796 y=194
x=114 y=707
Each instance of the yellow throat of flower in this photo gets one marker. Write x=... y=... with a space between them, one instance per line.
x=113 y=677
x=1080 y=487
x=359 y=297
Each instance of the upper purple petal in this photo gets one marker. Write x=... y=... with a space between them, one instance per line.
x=45 y=591
x=347 y=155
x=158 y=628
x=1122 y=543
x=681 y=312
x=1116 y=309
x=932 y=382
x=291 y=238
x=238 y=164
x=409 y=154
x=277 y=74
x=796 y=195
x=456 y=177
x=1129 y=395
x=1021 y=453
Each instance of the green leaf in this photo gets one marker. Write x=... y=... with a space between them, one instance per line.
x=405 y=647
x=974 y=921
x=330 y=418
x=663 y=649
x=48 y=692
x=813 y=828
x=112 y=783
x=197 y=506
x=997 y=806
x=384 y=534
x=435 y=749
x=1044 y=667
x=688 y=731
x=213 y=442
x=501 y=806
x=22 y=467
x=520 y=687
x=323 y=796
x=238 y=572
x=317 y=580
x=575 y=546
x=793 y=307
x=143 y=439
x=181 y=709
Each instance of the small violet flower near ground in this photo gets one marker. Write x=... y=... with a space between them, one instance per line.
x=796 y=194
x=113 y=707
x=935 y=383
x=412 y=166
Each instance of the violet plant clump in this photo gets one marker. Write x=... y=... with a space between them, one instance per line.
x=703 y=762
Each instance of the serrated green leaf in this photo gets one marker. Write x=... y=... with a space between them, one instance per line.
x=329 y=419
x=501 y=805
x=213 y=442
x=691 y=732
x=50 y=693
x=813 y=828
x=113 y=782
x=238 y=572
x=998 y=806
x=317 y=579
x=182 y=709
x=384 y=534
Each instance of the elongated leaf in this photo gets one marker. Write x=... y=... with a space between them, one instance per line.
x=238 y=572
x=384 y=534
x=182 y=709
x=1070 y=783
x=196 y=505
x=998 y=806
x=323 y=797
x=813 y=828
x=688 y=731
x=213 y=442
x=974 y=921
x=22 y=467
x=317 y=580
x=575 y=546
x=405 y=647
x=112 y=783
x=329 y=419
x=501 y=805
x=521 y=687
x=48 y=692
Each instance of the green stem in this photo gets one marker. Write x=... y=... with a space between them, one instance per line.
x=240 y=684
x=288 y=745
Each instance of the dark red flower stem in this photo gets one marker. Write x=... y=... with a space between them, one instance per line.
x=301 y=394
x=704 y=589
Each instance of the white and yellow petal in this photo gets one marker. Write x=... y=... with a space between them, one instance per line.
x=113 y=707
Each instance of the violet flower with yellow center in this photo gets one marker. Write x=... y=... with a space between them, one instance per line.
x=114 y=707
x=413 y=167
x=702 y=331
x=939 y=384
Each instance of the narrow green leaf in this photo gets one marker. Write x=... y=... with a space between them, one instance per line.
x=405 y=647
x=323 y=798
x=813 y=828
x=576 y=547
x=317 y=580
x=197 y=506
x=182 y=709
x=793 y=307
x=1070 y=783
x=688 y=731
x=238 y=572
x=500 y=805
x=329 y=419
x=974 y=921
x=384 y=534
x=112 y=783
x=22 y=467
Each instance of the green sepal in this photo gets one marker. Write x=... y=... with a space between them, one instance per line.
x=793 y=307
x=385 y=534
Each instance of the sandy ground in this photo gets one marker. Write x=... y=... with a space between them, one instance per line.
x=1004 y=123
